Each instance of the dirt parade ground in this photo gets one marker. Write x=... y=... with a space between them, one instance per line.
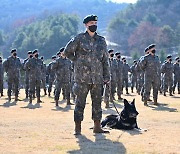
x=46 y=129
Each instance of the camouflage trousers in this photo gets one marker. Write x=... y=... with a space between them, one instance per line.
x=1 y=86
x=13 y=82
x=125 y=82
x=168 y=83
x=27 y=85
x=150 y=82
x=134 y=82
x=119 y=86
x=109 y=91
x=66 y=89
x=43 y=82
x=34 y=84
x=176 y=82
x=81 y=91
x=51 y=81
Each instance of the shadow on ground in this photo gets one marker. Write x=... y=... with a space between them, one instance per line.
x=100 y=145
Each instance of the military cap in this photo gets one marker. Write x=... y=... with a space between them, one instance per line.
x=58 y=53
x=62 y=49
x=123 y=58
x=151 y=46
x=146 y=49
x=29 y=52
x=117 y=53
x=35 y=51
x=111 y=50
x=134 y=61
x=53 y=57
x=42 y=57
x=13 y=50
x=90 y=18
x=177 y=58
x=169 y=56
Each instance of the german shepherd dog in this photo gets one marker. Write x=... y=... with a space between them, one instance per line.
x=125 y=120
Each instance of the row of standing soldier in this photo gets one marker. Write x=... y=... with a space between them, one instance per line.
x=60 y=72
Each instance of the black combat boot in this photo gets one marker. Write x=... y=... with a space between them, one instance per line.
x=77 y=128
x=39 y=100
x=45 y=93
x=69 y=102
x=164 y=94
x=155 y=102
x=131 y=89
x=145 y=103
x=9 y=98
x=30 y=99
x=16 y=98
x=2 y=94
x=56 y=101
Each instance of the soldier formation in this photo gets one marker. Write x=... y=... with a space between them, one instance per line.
x=85 y=65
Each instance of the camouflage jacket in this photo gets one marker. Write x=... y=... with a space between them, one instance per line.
x=126 y=69
x=12 y=66
x=167 y=69
x=1 y=71
x=90 y=58
x=119 y=70
x=176 y=69
x=50 y=72
x=133 y=70
x=150 y=65
x=62 y=69
x=35 y=67
x=113 y=68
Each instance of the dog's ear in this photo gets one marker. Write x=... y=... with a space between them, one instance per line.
x=133 y=102
x=126 y=103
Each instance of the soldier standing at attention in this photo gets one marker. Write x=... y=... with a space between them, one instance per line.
x=51 y=75
x=43 y=76
x=167 y=70
x=176 y=66
x=150 y=64
x=1 y=77
x=27 y=74
x=88 y=51
x=35 y=66
x=62 y=69
x=111 y=86
x=133 y=75
x=126 y=69
x=12 y=67
x=119 y=75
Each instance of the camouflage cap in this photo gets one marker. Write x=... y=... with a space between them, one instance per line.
x=90 y=18
x=117 y=53
x=13 y=50
x=110 y=50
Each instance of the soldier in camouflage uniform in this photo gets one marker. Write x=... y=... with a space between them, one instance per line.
x=150 y=64
x=51 y=75
x=12 y=67
x=176 y=67
x=133 y=75
x=43 y=76
x=1 y=77
x=119 y=75
x=27 y=74
x=167 y=70
x=88 y=51
x=110 y=88
x=35 y=66
x=62 y=69
x=126 y=69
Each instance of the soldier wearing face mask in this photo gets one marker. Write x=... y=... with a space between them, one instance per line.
x=27 y=74
x=110 y=88
x=43 y=76
x=176 y=67
x=167 y=70
x=150 y=64
x=35 y=67
x=88 y=51
x=126 y=69
x=119 y=75
x=12 y=67
x=1 y=77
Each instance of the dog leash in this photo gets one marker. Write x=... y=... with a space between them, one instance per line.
x=116 y=108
